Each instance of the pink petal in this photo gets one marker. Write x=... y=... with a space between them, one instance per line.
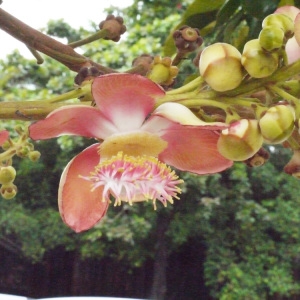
x=288 y=10
x=292 y=50
x=3 y=136
x=73 y=120
x=297 y=29
x=80 y=208
x=126 y=99
x=193 y=149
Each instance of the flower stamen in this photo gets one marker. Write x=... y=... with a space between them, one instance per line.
x=134 y=179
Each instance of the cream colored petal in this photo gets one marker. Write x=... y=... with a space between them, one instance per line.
x=179 y=113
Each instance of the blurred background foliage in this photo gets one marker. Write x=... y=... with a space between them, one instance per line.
x=233 y=235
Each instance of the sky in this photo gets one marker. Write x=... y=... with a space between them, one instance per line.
x=36 y=13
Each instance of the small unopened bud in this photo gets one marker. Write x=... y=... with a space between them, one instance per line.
x=115 y=27
x=277 y=124
x=271 y=38
x=258 y=62
x=6 y=145
x=23 y=152
x=144 y=60
x=86 y=73
x=258 y=159
x=187 y=39
x=8 y=191
x=241 y=140
x=34 y=155
x=282 y=21
x=7 y=174
x=293 y=166
x=220 y=66
x=162 y=71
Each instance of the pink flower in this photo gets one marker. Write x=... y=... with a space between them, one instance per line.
x=135 y=144
x=293 y=45
x=4 y=134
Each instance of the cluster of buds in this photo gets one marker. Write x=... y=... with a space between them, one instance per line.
x=260 y=57
x=244 y=138
x=8 y=189
x=21 y=148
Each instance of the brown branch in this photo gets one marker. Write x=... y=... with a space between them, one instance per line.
x=36 y=40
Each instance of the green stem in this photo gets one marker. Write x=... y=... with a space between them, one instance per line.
x=190 y=86
x=101 y=34
x=77 y=93
x=290 y=98
x=29 y=110
x=253 y=85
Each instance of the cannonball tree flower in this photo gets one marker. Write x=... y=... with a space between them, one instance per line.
x=129 y=163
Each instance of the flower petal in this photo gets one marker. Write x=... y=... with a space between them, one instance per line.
x=193 y=149
x=73 y=120
x=288 y=10
x=292 y=50
x=81 y=208
x=3 y=136
x=126 y=99
x=179 y=113
x=297 y=29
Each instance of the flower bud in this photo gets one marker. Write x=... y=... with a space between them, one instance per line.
x=293 y=166
x=258 y=62
x=162 y=71
x=280 y=20
x=219 y=60
x=277 y=124
x=8 y=191
x=258 y=159
x=241 y=140
x=34 y=155
x=7 y=175
x=271 y=38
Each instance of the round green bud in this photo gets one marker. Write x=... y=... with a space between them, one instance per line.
x=219 y=60
x=271 y=38
x=159 y=73
x=277 y=124
x=34 y=155
x=258 y=62
x=6 y=145
x=280 y=20
x=7 y=174
x=241 y=140
x=23 y=152
x=8 y=191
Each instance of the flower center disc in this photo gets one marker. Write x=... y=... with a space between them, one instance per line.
x=132 y=144
x=134 y=179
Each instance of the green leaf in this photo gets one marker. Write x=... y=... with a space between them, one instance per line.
x=227 y=10
x=259 y=8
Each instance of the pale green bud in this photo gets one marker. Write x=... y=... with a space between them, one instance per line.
x=241 y=140
x=280 y=20
x=277 y=124
x=8 y=191
x=162 y=71
x=258 y=62
x=7 y=174
x=34 y=155
x=220 y=66
x=271 y=38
